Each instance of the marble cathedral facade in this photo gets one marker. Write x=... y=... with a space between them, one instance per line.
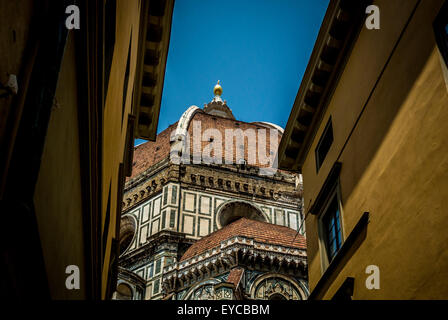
x=195 y=230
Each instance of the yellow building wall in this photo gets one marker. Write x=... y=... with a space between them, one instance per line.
x=115 y=122
x=368 y=57
x=58 y=192
x=394 y=163
x=57 y=199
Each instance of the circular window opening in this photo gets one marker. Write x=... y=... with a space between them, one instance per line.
x=236 y=210
x=127 y=231
x=124 y=292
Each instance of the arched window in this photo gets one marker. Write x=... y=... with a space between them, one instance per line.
x=277 y=296
x=235 y=210
x=124 y=292
x=127 y=231
x=205 y=292
x=276 y=287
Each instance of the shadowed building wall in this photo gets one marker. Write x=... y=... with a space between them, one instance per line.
x=67 y=135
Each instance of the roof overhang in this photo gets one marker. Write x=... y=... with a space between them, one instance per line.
x=338 y=32
x=154 y=38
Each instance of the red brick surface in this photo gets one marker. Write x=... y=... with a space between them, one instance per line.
x=222 y=124
x=149 y=153
x=152 y=152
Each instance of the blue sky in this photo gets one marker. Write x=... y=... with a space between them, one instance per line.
x=259 y=49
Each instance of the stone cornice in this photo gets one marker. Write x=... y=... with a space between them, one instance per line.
x=154 y=39
x=144 y=253
x=251 y=172
x=150 y=183
x=147 y=174
x=226 y=256
x=131 y=277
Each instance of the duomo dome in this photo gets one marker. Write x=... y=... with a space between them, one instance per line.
x=208 y=182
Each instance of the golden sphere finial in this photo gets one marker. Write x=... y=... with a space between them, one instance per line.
x=217 y=90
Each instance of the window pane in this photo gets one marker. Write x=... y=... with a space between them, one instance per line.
x=156 y=286
x=333 y=233
x=332 y=251
x=331 y=223
x=165 y=195
x=158 y=265
x=172 y=218
x=332 y=227
x=174 y=195
x=331 y=244
x=163 y=219
x=338 y=241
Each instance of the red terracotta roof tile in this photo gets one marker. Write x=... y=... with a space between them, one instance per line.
x=235 y=276
x=260 y=231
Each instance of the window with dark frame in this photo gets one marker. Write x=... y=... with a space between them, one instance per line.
x=165 y=195
x=158 y=266
x=156 y=287
x=174 y=195
x=169 y=261
x=324 y=145
x=172 y=218
x=441 y=31
x=331 y=225
x=163 y=219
